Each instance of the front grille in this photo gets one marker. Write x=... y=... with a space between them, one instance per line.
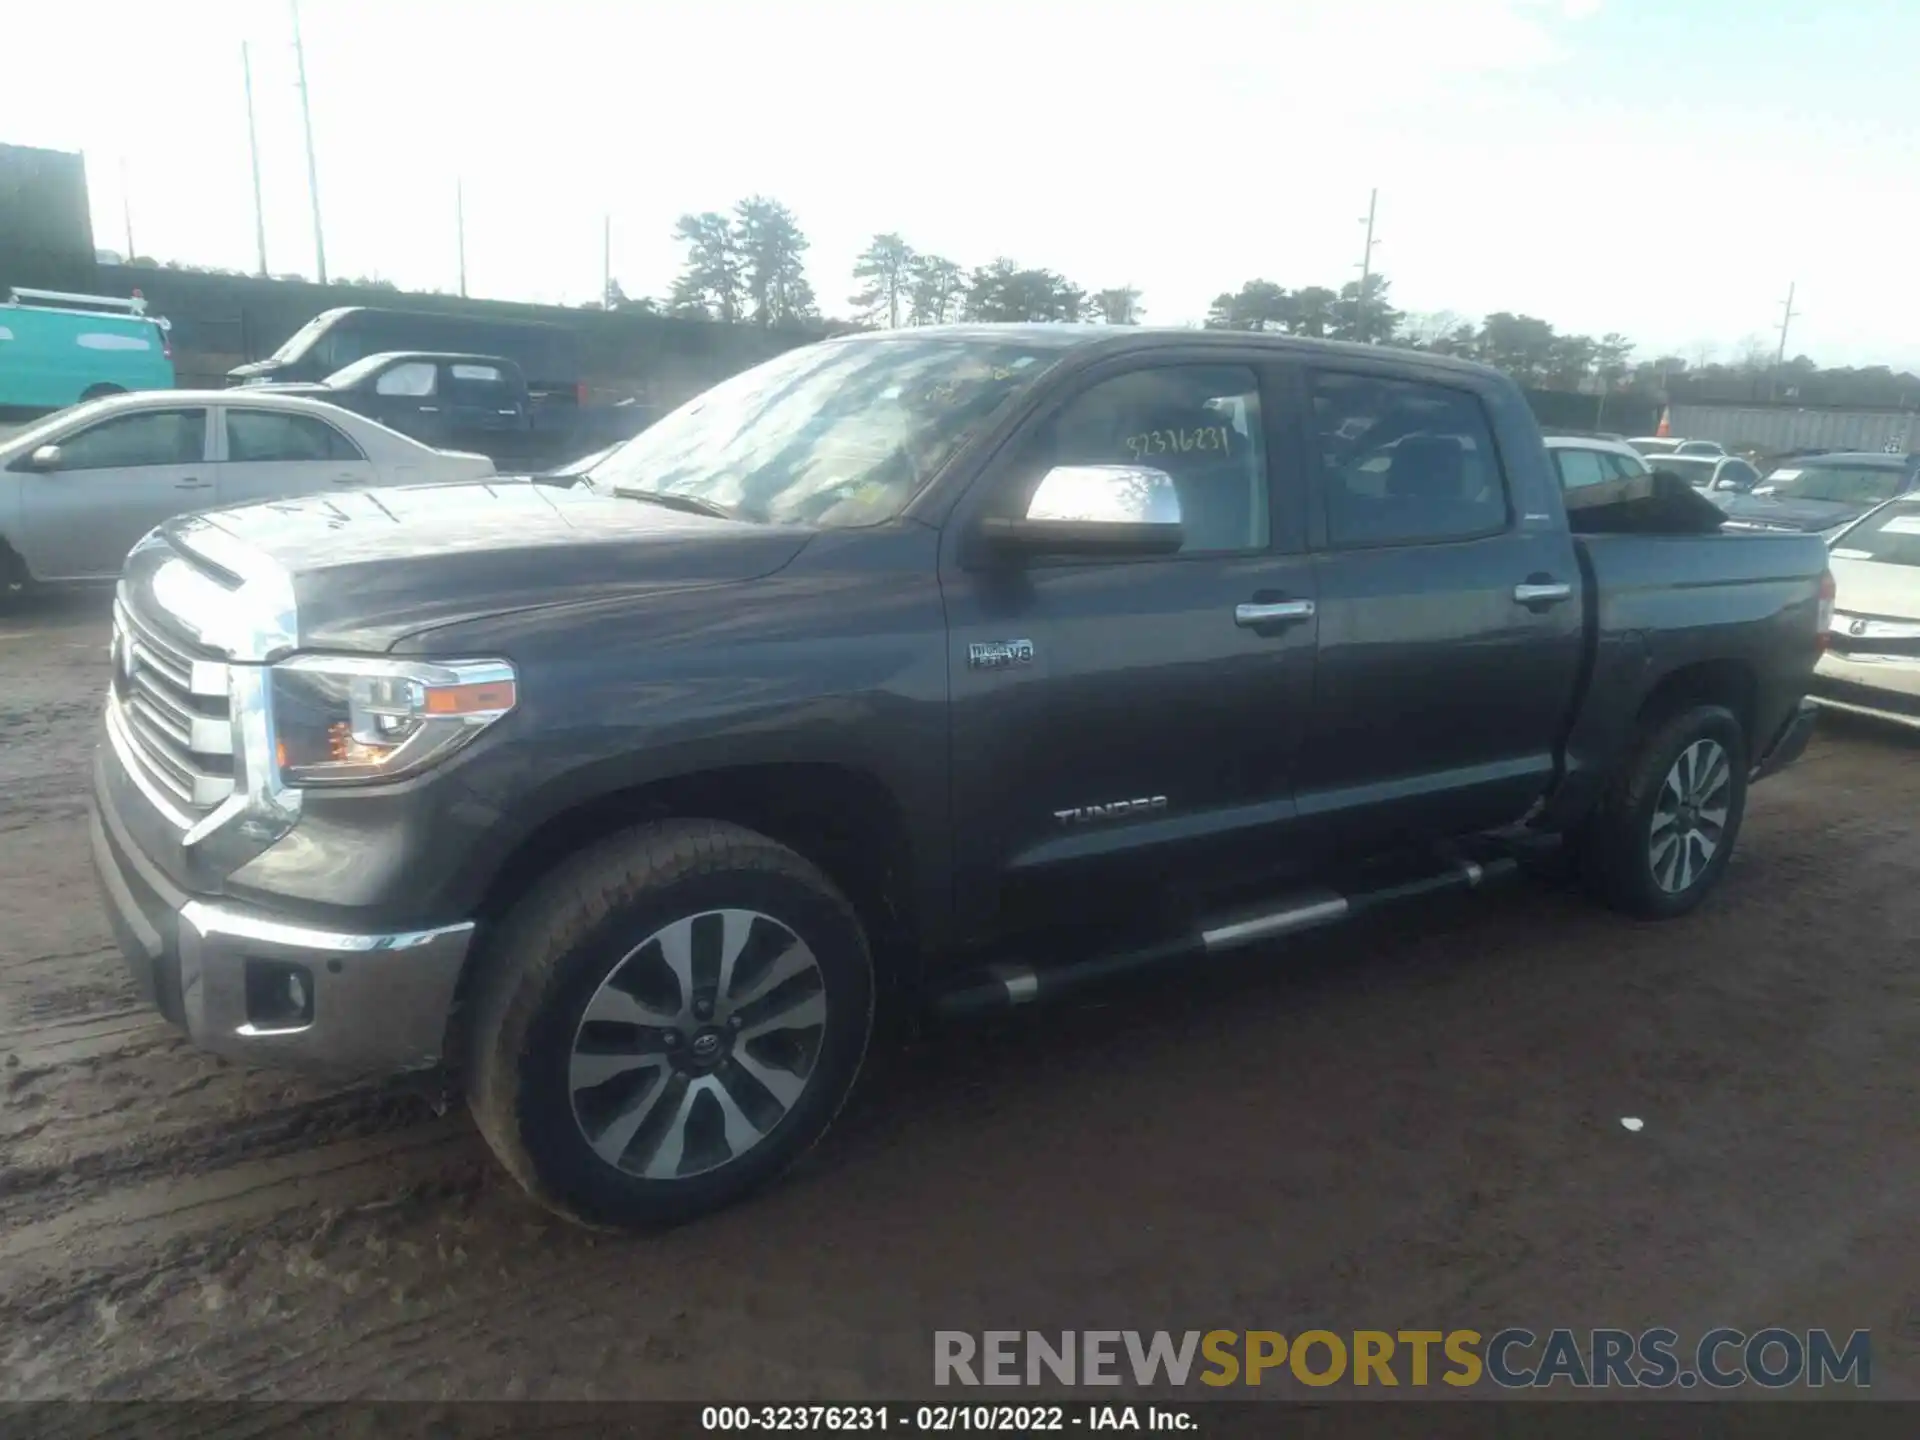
x=173 y=709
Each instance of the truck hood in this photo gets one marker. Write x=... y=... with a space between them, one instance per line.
x=1770 y=512
x=368 y=567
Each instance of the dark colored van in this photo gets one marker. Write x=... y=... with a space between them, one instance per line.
x=547 y=354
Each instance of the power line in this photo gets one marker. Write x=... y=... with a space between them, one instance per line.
x=313 y=170
x=1366 y=266
x=1780 y=357
x=253 y=151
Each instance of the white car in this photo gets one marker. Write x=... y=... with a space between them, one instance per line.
x=79 y=488
x=1872 y=662
x=1583 y=460
x=1651 y=445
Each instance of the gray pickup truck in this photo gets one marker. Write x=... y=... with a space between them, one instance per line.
x=953 y=666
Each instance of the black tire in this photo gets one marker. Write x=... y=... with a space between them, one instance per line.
x=15 y=582
x=95 y=392
x=1617 y=846
x=546 y=964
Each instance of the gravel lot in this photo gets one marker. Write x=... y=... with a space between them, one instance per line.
x=1414 y=1123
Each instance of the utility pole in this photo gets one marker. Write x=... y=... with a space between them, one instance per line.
x=126 y=208
x=460 y=229
x=1366 y=266
x=313 y=171
x=606 y=262
x=253 y=151
x=1780 y=356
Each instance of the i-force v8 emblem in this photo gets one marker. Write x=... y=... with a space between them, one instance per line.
x=999 y=654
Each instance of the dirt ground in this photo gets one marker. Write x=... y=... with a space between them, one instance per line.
x=1414 y=1123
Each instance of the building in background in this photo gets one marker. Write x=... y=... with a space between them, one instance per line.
x=46 y=227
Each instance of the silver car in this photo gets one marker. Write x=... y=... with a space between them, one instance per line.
x=79 y=489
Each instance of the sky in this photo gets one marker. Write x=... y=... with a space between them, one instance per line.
x=1662 y=168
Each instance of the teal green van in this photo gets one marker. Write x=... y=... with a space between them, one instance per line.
x=58 y=349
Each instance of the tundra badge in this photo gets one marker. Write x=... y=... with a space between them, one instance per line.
x=1112 y=810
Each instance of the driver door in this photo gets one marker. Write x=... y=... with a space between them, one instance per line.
x=116 y=479
x=1111 y=718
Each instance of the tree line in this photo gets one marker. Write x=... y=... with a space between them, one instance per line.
x=748 y=267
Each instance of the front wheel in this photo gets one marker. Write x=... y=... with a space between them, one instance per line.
x=666 y=1022
x=1664 y=831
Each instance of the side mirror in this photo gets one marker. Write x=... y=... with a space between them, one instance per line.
x=1095 y=510
x=47 y=457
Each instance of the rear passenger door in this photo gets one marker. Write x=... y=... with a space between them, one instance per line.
x=274 y=454
x=485 y=410
x=409 y=396
x=1450 y=622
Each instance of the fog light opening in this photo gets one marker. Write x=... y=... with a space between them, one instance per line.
x=279 y=995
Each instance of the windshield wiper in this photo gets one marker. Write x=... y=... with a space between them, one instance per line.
x=690 y=504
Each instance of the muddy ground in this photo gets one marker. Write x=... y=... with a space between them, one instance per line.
x=1409 y=1124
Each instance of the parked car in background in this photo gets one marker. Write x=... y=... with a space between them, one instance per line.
x=1715 y=475
x=80 y=488
x=1583 y=460
x=1872 y=664
x=459 y=402
x=1823 y=493
x=548 y=356
x=1650 y=445
x=57 y=349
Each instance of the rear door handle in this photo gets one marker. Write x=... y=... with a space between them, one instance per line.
x=1536 y=594
x=1273 y=612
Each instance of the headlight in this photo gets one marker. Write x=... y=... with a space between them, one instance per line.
x=348 y=720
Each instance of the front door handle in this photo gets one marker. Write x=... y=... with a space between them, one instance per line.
x=1273 y=612
x=1551 y=593
x=192 y=484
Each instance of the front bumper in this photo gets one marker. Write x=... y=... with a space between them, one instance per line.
x=1884 y=687
x=244 y=984
x=1790 y=744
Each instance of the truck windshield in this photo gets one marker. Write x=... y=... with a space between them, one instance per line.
x=298 y=342
x=1892 y=537
x=1847 y=484
x=840 y=434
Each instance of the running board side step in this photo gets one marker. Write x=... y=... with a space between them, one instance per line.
x=1008 y=984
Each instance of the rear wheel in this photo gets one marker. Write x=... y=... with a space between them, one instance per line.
x=667 y=1022
x=1663 y=833
x=15 y=582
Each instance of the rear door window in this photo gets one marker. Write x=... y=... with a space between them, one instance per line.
x=1580 y=467
x=260 y=435
x=1405 y=462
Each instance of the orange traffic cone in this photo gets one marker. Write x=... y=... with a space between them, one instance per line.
x=1665 y=427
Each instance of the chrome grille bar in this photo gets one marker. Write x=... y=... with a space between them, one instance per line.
x=174 y=713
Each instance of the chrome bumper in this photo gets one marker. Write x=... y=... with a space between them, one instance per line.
x=257 y=989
